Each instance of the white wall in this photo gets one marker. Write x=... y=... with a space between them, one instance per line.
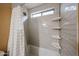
x=69 y=29
x=68 y=33
x=40 y=39
x=40 y=36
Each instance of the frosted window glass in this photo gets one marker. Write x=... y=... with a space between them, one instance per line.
x=48 y=12
x=36 y=15
x=70 y=8
x=42 y=13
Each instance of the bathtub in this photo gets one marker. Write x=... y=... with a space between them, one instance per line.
x=38 y=51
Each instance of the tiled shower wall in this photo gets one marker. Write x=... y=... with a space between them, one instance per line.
x=69 y=29
x=41 y=37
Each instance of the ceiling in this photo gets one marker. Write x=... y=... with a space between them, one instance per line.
x=32 y=5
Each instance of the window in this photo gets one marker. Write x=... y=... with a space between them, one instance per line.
x=42 y=13
x=70 y=8
x=49 y=12
x=36 y=15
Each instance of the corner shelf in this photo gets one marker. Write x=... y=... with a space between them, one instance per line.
x=2 y=53
x=56 y=37
x=56 y=45
x=56 y=19
x=57 y=28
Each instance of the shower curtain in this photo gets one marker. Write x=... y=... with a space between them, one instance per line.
x=16 y=43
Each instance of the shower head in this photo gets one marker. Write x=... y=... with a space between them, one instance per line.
x=24 y=13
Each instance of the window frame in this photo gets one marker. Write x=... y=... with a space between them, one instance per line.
x=47 y=11
x=35 y=13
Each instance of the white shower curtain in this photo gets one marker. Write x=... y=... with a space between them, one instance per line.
x=16 y=43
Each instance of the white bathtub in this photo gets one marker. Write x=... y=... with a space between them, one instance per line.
x=37 y=51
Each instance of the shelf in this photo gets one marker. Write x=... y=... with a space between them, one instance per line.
x=56 y=45
x=2 y=53
x=56 y=37
x=57 y=28
x=57 y=19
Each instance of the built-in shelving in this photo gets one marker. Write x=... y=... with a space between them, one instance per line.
x=56 y=37
x=57 y=19
x=56 y=45
x=2 y=53
x=57 y=28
